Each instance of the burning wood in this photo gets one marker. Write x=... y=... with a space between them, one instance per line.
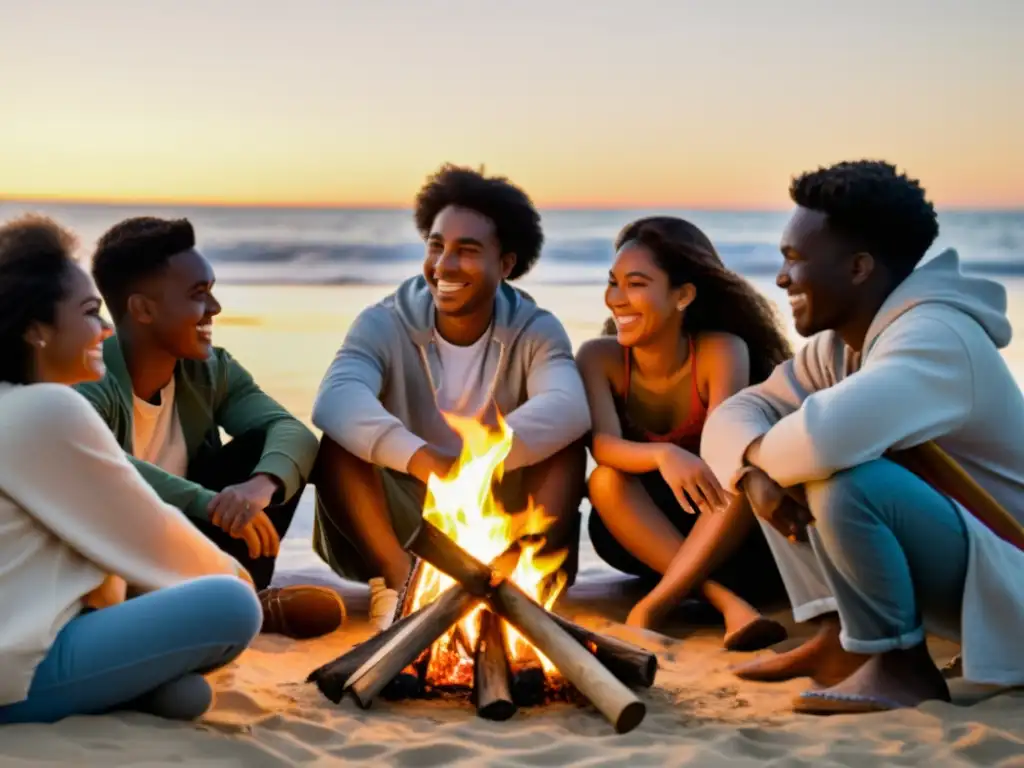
x=462 y=623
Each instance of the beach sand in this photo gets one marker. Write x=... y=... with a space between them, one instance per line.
x=698 y=713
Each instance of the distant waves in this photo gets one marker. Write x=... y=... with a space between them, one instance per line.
x=567 y=261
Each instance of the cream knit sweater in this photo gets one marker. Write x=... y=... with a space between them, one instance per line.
x=77 y=521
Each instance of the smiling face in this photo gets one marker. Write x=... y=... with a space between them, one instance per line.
x=464 y=265
x=70 y=350
x=643 y=303
x=177 y=305
x=821 y=272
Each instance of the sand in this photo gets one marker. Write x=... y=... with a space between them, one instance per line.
x=698 y=713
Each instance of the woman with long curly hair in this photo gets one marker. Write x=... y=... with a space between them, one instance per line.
x=685 y=334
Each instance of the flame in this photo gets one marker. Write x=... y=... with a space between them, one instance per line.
x=464 y=507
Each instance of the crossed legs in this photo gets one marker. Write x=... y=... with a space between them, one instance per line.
x=891 y=551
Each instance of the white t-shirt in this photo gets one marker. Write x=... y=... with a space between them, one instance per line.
x=462 y=390
x=157 y=436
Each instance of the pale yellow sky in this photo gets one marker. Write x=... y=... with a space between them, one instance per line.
x=583 y=102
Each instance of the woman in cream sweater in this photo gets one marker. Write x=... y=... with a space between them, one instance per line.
x=77 y=523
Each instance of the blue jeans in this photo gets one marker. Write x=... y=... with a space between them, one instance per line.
x=107 y=659
x=893 y=552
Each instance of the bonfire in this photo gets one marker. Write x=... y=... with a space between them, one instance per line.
x=476 y=616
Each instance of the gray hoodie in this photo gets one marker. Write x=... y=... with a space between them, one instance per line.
x=930 y=370
x=378 y=398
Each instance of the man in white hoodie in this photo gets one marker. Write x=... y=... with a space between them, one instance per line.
x=897 y=355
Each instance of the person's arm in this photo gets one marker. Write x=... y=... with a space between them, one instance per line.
x=916 y=385
x=348 y=408
x=190 y=498
x=737 y=422
x=63 y=466
x=596 y=360
x=724 y=366
x=289 y=448
x=555 y=413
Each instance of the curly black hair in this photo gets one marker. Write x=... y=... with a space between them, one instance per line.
x=725 y=302
x=36 y=255
x=876 y=207
x=516 y=221
x=135 y=249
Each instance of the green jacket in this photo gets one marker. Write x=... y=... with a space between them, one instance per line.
x=209 y=394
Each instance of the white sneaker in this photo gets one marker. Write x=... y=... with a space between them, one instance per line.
x=383 y=603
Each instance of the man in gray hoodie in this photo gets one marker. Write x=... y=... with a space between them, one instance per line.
x=898 y=355
x=456 y=339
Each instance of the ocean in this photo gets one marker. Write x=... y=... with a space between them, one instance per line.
x=348 y=246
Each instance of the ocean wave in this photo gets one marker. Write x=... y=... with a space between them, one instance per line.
x=570 y=261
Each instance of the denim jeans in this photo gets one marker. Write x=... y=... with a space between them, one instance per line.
x=107 y=659
x=887 y=551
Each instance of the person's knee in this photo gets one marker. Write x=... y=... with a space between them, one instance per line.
x=334 y=462
x=570 y=464
x=230 y=605
x=606 y=487
x=846 y=495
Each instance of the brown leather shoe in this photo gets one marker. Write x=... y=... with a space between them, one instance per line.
x=301 y=612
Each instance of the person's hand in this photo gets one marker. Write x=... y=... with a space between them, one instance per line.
x=430 y=460
x=236 y=506
x=260 y=537
x=688 y=474
x=773 y=504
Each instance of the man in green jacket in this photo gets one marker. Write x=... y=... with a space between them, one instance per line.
x=168 y=392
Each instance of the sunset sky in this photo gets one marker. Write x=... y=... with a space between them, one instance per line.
x=703 y=103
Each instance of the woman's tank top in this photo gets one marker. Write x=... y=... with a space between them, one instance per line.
x=637 y=425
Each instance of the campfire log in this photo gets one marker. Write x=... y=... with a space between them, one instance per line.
x=448 y=557
x=631 y=664
x=614 y=700
x=491 y=675
x=406 y=645
x=332 y=677
x=576 y=664
x=528 y=679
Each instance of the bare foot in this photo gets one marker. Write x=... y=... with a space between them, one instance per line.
x=887 y=681
x=645 y=615
x=821 y=658
x=758 y=632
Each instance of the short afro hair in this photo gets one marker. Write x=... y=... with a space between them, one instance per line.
x=875 y=206
x=133 y=250
x=516 y=221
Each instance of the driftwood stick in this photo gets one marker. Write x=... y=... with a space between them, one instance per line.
x=406 y=646
x=491 y=692
x=431 y=544
x=614 y=700
x=631 y=664
x=575 y=663
x=332 y=677
x=403 y=606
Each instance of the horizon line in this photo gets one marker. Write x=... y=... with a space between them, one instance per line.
x=379 y=206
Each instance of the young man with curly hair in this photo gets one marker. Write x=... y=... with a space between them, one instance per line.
x=169 y=391
x=455 y=339
x=898 y=355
